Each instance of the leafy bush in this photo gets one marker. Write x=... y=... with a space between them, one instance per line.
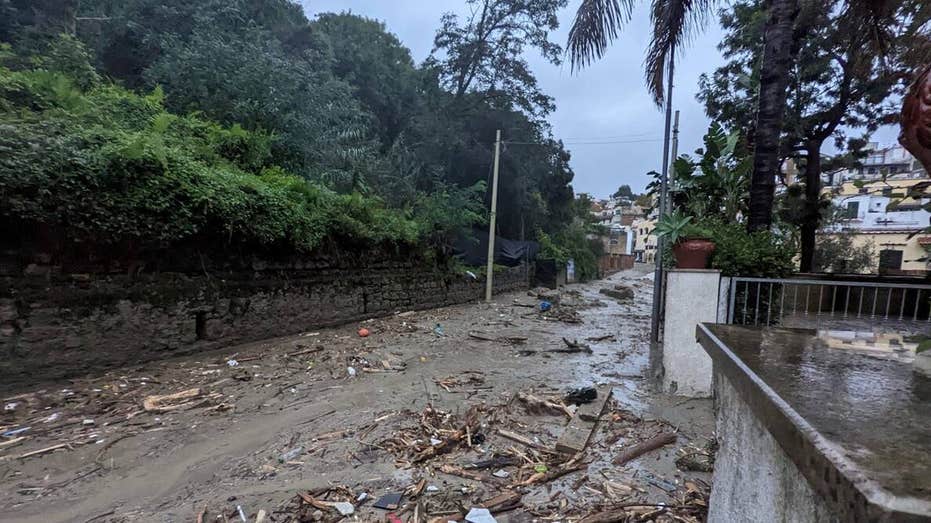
x=760 y=254
x=106 y=165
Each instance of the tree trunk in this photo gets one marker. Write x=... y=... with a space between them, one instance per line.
x=812 y=217
x=774 y=81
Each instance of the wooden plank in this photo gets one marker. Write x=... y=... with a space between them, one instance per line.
x=577 y=433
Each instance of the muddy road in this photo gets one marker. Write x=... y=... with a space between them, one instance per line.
x=294 y=425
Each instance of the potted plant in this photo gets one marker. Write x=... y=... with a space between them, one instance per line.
x=691 y=244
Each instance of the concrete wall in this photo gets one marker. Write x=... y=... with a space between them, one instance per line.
x=691 y=298
x=54 y=324
x=754 y=479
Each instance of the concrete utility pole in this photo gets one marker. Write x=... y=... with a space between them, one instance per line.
x=655 y=354
x=665 y=205
x=490 y=268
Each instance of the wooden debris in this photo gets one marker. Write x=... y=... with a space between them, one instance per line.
x=575 y=436
x=169 y=402
x=573 y=346
x=546 y=477
x=609 y=516
x=536 y=404
x=523 y=440
x=12 y=442
x=642 y=448
x=45 y=450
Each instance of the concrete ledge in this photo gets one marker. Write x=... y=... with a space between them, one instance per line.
x=864 y=455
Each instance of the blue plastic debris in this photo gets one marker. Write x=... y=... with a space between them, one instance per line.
x=545 y=305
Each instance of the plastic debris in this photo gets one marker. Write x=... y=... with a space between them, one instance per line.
x=438 y=330
x=480 y=515
x=351 y=371
x=541 y=468
x=10 y=406
x=545 y=306
x=581 y=395
x=242 y=515
x=433 y=488
x=232 y=363
x=87 y=422
x=389 y=501
x=364 y=333
x=344 y=508
x=291 y=454
x=15 y=432
x=362 y=497
x=51 y=418
x=435 y=442
x=501 y=473
x=471 y=275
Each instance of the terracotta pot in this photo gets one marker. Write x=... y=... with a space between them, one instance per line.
x=693 y=253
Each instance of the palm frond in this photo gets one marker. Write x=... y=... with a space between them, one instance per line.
x=596 y=24
x=674 y=23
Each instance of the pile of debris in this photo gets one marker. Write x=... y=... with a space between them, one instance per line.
x=504 y=468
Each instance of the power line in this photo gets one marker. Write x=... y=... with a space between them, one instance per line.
x=601 y=142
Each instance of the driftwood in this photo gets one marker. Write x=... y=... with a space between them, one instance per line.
x=168 y=402
x=642 y=448
x=537 y=404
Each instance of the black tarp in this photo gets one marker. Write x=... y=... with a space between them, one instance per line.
x=474 y=251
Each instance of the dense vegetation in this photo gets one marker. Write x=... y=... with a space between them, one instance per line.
x=154 y=122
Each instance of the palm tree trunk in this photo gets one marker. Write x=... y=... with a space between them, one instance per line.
x=812 y=217
x=774 y=80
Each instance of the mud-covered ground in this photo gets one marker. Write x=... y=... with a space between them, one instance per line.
x=292 y=425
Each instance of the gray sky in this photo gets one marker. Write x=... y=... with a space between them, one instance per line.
x=607 y=101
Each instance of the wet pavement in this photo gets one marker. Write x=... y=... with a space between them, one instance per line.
x=324 y=412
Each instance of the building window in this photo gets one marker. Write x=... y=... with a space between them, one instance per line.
x=890 y=259
x=852 y=210
x=887 y=191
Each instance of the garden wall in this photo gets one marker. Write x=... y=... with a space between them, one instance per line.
x=55 y=324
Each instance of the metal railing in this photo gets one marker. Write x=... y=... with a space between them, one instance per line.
x=811 y=302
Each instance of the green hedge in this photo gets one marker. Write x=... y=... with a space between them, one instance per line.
x=107 y=165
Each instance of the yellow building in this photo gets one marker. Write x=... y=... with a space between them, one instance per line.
x=889 y=215
x=644 y=240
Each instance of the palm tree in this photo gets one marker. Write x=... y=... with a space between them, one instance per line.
x=597 y=22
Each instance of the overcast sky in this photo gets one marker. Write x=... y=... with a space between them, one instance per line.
x=606 y=102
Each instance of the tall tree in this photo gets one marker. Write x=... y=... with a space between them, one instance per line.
x=598 y=22
x=484 y=54
x=833 y=88
x=774 y=78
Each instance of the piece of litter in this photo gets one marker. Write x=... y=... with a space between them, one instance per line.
x=242 y=514
x=232 y=363
x=10 y=406
x=362 y=497
x=541 y=468
x=480 y=515
x=433 y=488
x=51 y=418
x=351 y=372
x=501 y=473
x=344 y=507
x=435 y=442
x=87 y=422
x=389 y=501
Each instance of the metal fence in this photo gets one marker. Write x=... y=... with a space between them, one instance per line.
x=810 y=302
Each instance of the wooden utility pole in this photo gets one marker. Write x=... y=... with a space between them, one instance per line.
x=490 y=268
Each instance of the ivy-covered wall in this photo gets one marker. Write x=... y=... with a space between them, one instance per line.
x=55 y=324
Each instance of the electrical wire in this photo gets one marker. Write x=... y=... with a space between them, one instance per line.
x=606 y=142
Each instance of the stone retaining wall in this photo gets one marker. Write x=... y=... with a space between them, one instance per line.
x=54 y=325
